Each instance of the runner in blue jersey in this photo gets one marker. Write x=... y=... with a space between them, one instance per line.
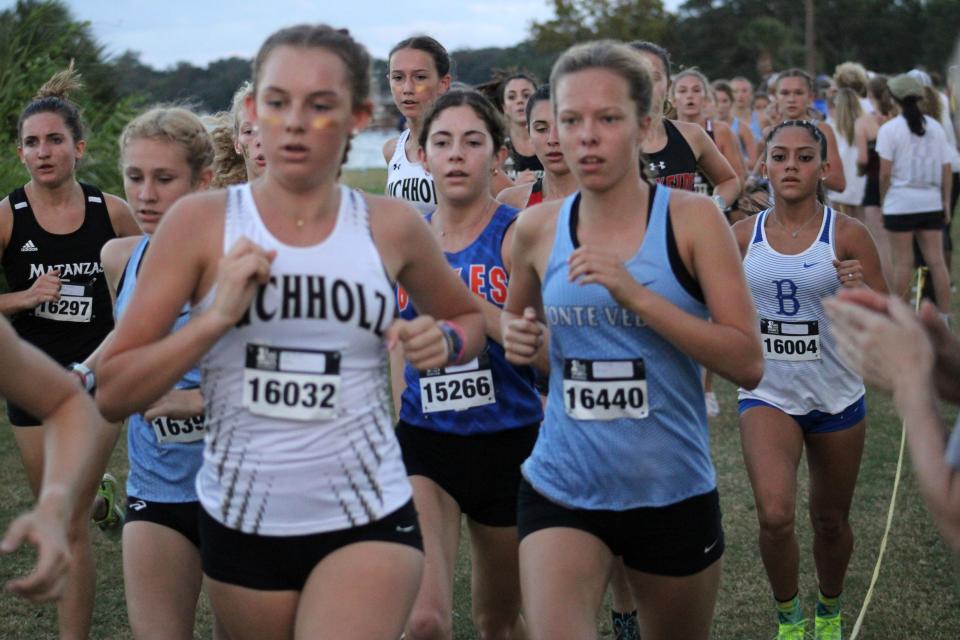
x=795 y=255
x=465 y=430
x=639 y=285
x=166 y=153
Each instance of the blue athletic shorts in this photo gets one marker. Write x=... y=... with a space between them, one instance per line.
x=817 y=421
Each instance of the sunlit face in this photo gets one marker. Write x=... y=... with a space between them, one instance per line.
x=515 y=97
x=689 y=97
x=598 y=128
x=793 y=164
x=742 y=93
x=414 y=82
x=459 y=154
x=661 y=82
x=248 y=146
x=155 y=175
x=793 y=97
x=48 y=150
x=304 y=115
x=543 y=135
x=724 y=104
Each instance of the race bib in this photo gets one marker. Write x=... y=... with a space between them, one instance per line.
x=457 y=387
x=605 y=389
x=794 y=341
x=291 y=384
x=75 y=305
x=185 y=430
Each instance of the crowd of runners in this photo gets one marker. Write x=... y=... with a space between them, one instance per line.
x=320 y=386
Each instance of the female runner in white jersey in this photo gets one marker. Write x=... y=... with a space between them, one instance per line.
x=557 y=181
x=306 y=512
x=419 y=73
x=796 y=254
x=626 y=297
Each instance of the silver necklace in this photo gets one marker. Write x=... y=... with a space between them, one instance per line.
x=796 y=232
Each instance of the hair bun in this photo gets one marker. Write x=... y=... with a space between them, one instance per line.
x=61 y=84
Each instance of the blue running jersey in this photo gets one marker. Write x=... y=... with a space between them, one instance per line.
x=626 y=425
x=488 y=394
x=165 y=453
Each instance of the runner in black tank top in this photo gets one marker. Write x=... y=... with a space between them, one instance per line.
x=557 y=180
x=70 y=328
x=65 y=312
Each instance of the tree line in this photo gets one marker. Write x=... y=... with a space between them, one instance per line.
x=732 y=37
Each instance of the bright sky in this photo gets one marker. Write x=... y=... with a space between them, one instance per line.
x=199 y=31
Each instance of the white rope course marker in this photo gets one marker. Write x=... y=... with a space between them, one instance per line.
x=893 y=498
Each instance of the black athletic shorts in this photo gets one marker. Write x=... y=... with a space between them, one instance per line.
x=20 y=418
x=480 y=472
x=284 y=563
x=680 y=539
x=182 y=517
x=928 y=221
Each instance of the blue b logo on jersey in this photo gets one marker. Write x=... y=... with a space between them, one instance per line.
x=787 y=297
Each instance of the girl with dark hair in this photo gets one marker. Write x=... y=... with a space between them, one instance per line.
x=557 y=181
x=724 y=99
x=478 y=420
x=622 y=464
x=522 y=164
x=795 y=255
x=915 y=186
x=306 y=512
x=51 y=233
x=419 y=74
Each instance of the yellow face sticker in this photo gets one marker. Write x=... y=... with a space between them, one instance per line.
x=421 y=87
x=321 y=122
x=271 y=120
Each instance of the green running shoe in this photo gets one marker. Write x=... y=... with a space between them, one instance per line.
x=792 y=630
x=827 y=627
x=108 y=491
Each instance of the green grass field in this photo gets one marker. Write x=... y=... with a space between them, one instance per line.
x=917 y=596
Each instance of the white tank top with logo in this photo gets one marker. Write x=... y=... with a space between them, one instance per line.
x=409 y=180
x=299 y=435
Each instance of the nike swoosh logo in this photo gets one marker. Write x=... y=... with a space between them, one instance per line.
x=807 y=265
x=411 y=528
x=710 y=548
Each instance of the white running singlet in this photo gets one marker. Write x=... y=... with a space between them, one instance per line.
x=803 y=371
x=409 y=180
x=299 y=435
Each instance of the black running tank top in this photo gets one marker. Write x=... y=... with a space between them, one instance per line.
x=70 y=328
x=674 y=166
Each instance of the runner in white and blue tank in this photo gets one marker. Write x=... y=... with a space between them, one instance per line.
x=795 y=255
x=622 y=464
x=464 y=431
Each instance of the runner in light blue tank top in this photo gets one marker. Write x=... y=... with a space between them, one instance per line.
x=165 y=453
x=622 y=465
x=653 y=402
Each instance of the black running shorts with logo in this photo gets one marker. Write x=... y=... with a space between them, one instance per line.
x=284 y=563
x=182 y=517
x=678 y=540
